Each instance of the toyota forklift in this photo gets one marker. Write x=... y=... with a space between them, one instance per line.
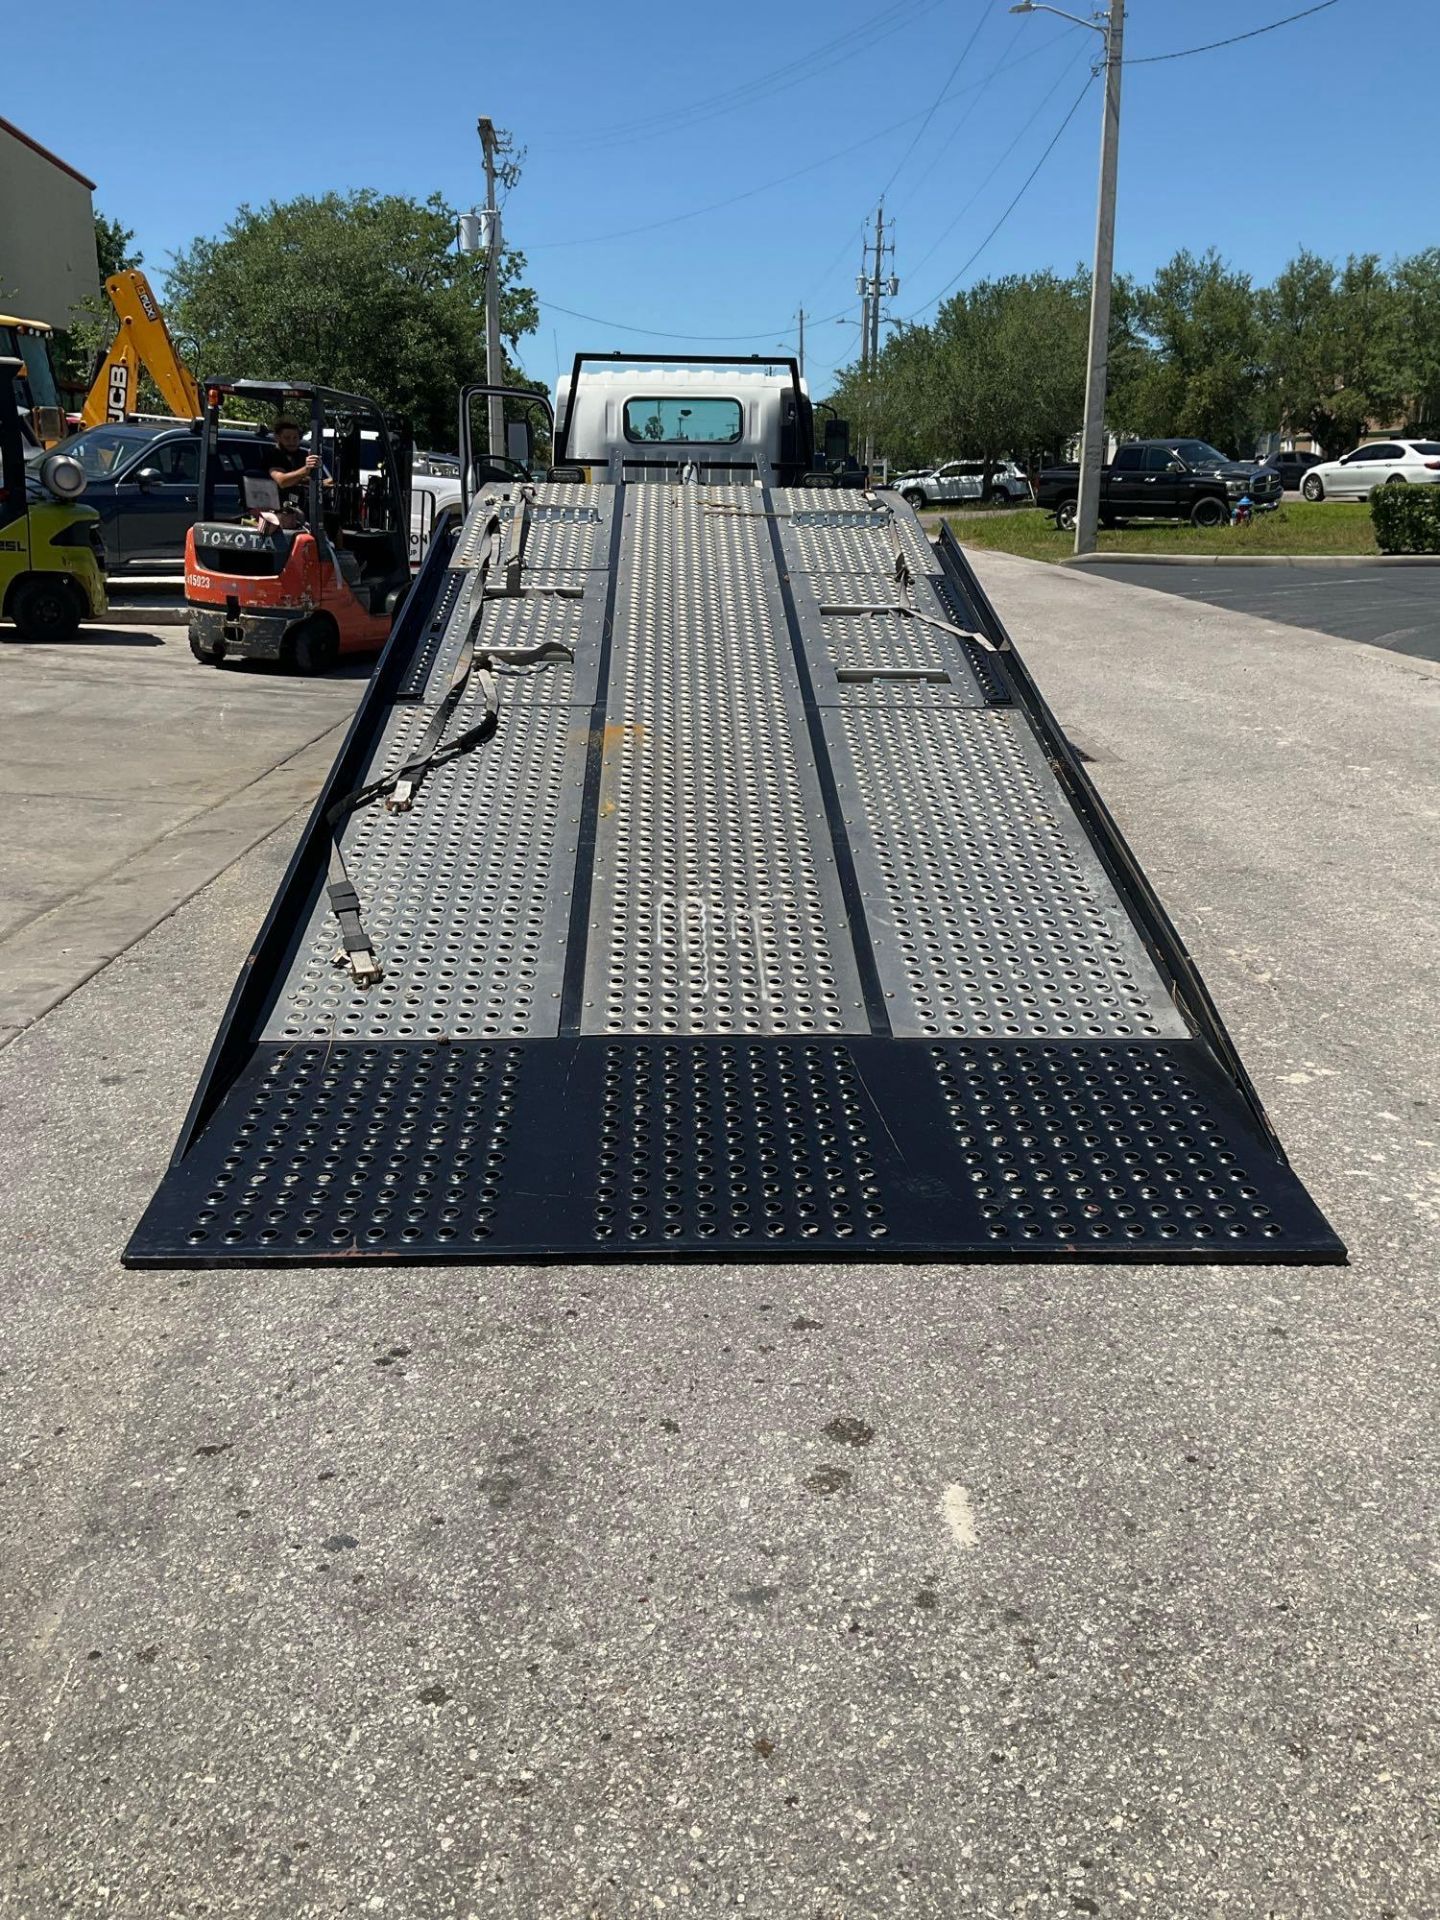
x=304 y=596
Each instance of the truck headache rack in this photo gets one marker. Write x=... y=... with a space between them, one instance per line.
x=748 y=903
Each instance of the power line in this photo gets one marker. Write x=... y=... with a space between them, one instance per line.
x=931 y=110
x=715 y=206
x=779 y=80
x=943 y=152
x=1153 y=59
x=668 y=333
x=770 y=333
x=1028 y=181
x=765 y=186
x=975 y=87
x=1041 y=105
x=846 y=244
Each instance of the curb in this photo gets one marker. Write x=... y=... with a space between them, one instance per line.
x=1250 y=560
x=173 y=615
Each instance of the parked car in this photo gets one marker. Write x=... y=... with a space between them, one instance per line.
x=1291 y=467
x=1162 y=480
x=962 y=480
x=1379 y=463
x=143 y=479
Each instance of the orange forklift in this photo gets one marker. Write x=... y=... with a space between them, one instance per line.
x=304 y=595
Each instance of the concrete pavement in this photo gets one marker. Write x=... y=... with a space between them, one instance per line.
x=835 y=1592
x=130 y=777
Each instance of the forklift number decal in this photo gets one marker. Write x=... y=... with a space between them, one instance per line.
x=12 y=546
x=201 y=580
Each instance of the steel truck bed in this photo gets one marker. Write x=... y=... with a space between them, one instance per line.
x=777 y=921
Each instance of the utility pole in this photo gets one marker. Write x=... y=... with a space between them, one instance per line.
x=872 y=287
x=862 y=287
x=493 y=142
x=1111 y=27
x=1092 y=441
x=802 y=343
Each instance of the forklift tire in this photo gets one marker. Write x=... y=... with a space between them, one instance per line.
x=45 y=609
x=206 y=656
x=312 y=647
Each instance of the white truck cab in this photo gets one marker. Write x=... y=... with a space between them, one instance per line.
x=744 y=422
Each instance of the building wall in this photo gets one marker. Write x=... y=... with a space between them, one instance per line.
x=47 y=233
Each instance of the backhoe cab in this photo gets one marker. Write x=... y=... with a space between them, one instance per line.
x=51 y=577
x=307 y=596
x=36 y=387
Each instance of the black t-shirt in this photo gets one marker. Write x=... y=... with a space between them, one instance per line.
x=297 y=494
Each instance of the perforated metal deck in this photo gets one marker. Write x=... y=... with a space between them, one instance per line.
x=764 y=927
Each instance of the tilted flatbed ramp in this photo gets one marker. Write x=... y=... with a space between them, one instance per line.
x=779 y=921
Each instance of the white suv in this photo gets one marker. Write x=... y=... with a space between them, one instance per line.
x=1380 y=463
x=963 y=480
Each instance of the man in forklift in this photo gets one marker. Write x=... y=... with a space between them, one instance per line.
x=291 y=469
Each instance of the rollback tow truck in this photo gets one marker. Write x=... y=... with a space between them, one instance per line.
x=704 y=877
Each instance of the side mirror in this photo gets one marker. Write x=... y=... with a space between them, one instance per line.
x=837 y=439
x=147 y=478
x=519 y=442
x=1177 y=466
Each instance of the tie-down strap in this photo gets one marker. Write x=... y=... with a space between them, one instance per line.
x=398 y=789
x=904 y=601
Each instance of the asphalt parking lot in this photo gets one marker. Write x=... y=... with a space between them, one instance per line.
x=814 y=1593
x=1394 y=607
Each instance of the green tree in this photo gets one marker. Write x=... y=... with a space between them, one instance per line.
x=1202 y=367
x=1334 y=344
x=363 y=291
x=1417 y=300
x=999 y=372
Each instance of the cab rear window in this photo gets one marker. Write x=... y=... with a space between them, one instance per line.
x=710 y=422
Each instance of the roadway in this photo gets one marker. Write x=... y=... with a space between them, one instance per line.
x=1394 y=607
x=830 y=1591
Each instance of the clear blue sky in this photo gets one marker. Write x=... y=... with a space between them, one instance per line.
x=1320 y=134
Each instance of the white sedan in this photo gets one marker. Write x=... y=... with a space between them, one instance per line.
x=1380 y=463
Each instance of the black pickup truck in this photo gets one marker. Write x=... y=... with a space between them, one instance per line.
x=1161 y=480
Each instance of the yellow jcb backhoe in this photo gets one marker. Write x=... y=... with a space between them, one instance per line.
x=142 y=340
